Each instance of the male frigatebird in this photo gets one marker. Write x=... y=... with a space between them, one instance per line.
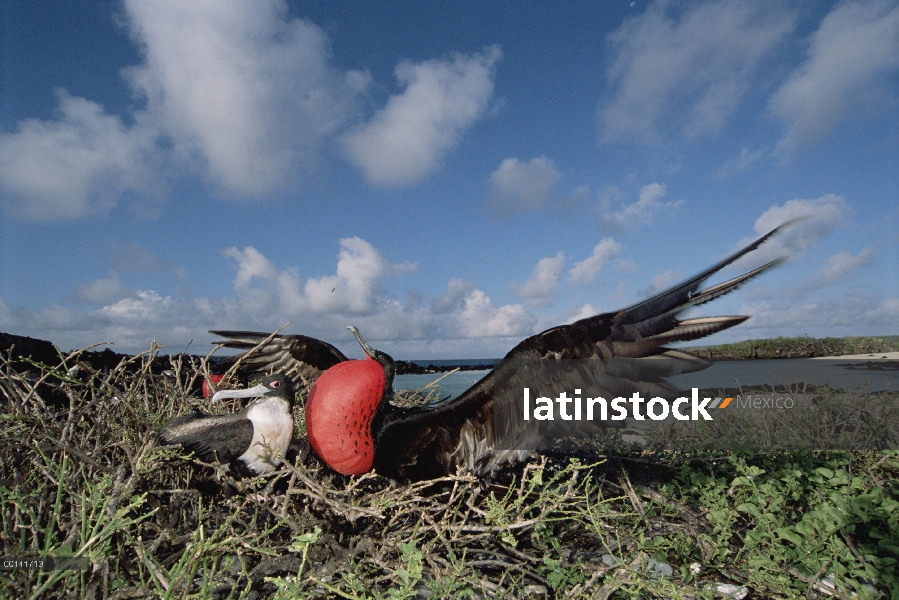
x=354 y=428
x=240 y=439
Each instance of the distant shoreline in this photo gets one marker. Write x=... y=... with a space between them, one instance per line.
x=798 y=347
x=421 y=367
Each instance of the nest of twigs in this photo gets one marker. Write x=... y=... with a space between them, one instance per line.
x=80 y=475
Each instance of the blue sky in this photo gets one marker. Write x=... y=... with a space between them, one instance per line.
x=449 y=177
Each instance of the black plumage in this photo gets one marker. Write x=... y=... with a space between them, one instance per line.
x=299 y=357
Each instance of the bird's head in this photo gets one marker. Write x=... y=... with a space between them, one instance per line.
x=383 y=358
x=273 y=386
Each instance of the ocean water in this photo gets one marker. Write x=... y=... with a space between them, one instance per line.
x=838 y=373
x=853 y=375
x=450 y=386
x=455 y=362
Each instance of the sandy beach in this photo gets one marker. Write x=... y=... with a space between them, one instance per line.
x=875 y=356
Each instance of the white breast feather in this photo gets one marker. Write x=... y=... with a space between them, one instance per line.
x=272 y=425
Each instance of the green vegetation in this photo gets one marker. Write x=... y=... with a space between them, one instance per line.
x=80 y=476
x=819 y=418
x=799 y=347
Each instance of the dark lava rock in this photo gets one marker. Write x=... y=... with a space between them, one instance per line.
x=20 y=346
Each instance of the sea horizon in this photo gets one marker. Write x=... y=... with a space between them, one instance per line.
x=453 y=362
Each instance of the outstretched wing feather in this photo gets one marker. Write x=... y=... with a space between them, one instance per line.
x=637 y=333
x=300 y=357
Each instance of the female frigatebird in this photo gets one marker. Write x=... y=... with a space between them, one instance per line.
x=354 y=428
x=244 y=435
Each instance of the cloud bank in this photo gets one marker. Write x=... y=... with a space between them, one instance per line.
x=461 y=319
x=847 y=71
x=521 y=187
x=692 y=68
x=77 y=165
x=244 y=96
x=586 y=271
x=541 y=286
x=635 y=216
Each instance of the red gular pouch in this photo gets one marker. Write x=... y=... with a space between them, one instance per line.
x=339 y=413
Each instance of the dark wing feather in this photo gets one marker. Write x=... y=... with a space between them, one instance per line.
x=461 y=431
x=299 y=357
x=214 y=438
x=418 y=443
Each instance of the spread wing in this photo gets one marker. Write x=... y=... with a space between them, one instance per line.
x=299 y=357
x=214 y=438
x=463 y=431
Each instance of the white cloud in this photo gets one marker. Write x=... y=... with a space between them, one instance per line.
x=886 y=313
x=405 y=141
x=101 y=290
x=818 y=218
x=584 y=312
x=354 y=288
x=360 y=267
x=250 y=264
x=626 y=265
x=851 y=312
x=541 y=286
x=239 y=93
x=585 y=272
x=481 y=318
x=841 y=264
x=517 y=187
x=47 y=323
x=740 y=163
x=779 y=316
x=266 y=296
x=851 y=58
x=355 y=295
x=131 y=322
x=638 y=214
x=834 y=269
x=814 y=221
x=248 y=89
x=460 y=321
x=75 y=166
x=618 y=294
x=145 y=305
x=699 y=62
x=453 y=298
x=243 y=90
x=269 y=297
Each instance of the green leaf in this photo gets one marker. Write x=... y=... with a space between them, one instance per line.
x=787 y=533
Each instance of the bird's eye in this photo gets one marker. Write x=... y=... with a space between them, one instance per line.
x=276 y=384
